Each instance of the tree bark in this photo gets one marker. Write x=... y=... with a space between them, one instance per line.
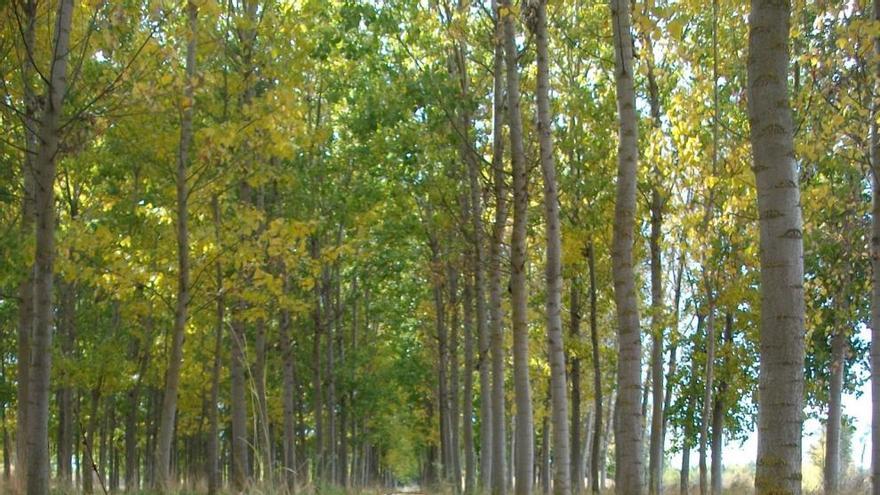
x=44 y=210
x=524 y=456
x=67 y=329
x=553 y=266
x=479 y=296
x=781 y=379
x=317 y=387
x=455 y=462
x=259 y=376
x=655 y=476
x=685 y=484
x=709 y=375
x=596 y=453
x=468 y=392
x=238 y=403
x=720 y=409
x=577 y=452
x=26 y=286
x=172 y=376
x=497 y=433
x=628 y=422
x=288 y=393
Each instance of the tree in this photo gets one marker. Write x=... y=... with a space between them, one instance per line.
x=524 y=454
x=780 y=394
x=172 y=377
x=628 y=414
x=45 y=165
x=553 y=267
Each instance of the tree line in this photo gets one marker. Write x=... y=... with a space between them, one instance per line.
x=484 y=247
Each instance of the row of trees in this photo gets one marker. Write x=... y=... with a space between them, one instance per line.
x=295 y=245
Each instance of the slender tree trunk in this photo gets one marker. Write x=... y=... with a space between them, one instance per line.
x=670 y=372
x=478 y=293
x=718 y=416
x=259 y=375
x=545 y=455
x=332 y=321
x=443 y=358
x=781 y=379
x=213 y=447
x=67 y=331
x=172 y=376
x=685 y=471
x=289 y=391
x=468 y=392
x=655 y=477
x=317 y=381
x=655 y=449
x=26 y=286
x=596 y=453
x=238 y=403
x=709 y=375
x=689 y=423
x=90 y=468
x=833 y=425
x=455 y=461
x=524 y=456
x=606 y=438
x=497 y=433
x=628 y=422
x=553 y=268
x=577 y=452
x=44 y=211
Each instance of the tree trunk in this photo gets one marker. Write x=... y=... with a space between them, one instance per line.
x=259 y=376
x=455 y=462
x=497 y=432
x=172 y=376
x=213 y=447
x=689 y=423
x=317 y=388
x=479 y=295
x=628 y=422
x=288 y=393
x=833 y=425
x=670 y=372
x=596 y=453
x=26 y=286
x=545 y=455
x=443 y=356
x=468 y=392
x=553 y=267
x=655 y=476
x=577 y=452
x=44 y=210
x=781 y=378
x=718 y=415
x=238 y=403
x=332 y=321
x=709 y=375
x=524 y=456
x=67 y=331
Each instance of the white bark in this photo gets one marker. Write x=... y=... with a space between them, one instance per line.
x=628 y=421
x=524 y=455
x=553 y=267
x=44 y=210
x=781 y=379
